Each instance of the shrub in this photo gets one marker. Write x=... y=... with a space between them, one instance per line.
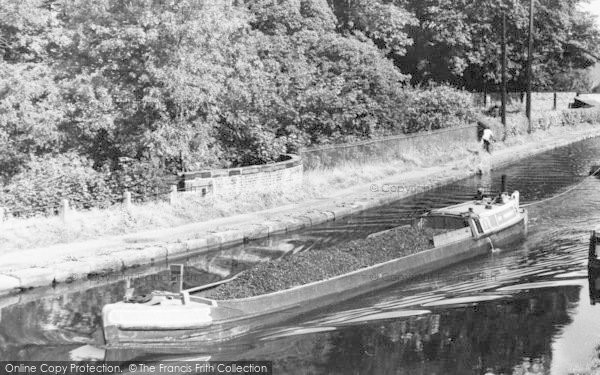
x=570 y=118
x=142 y=178
x=313 y=88
x=577 y=116
x=436 y=107
x=46 y=180
x=518 y=123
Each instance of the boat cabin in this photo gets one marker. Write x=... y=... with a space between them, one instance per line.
x=472 y=219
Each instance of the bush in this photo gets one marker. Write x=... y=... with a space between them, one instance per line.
x=568 y=117
x=577 y=116
x=518 y=124
x=142 y=178
x=46 y=180
x=312 y=88
x=571 y=118
x=436 y=107
x=356 y=92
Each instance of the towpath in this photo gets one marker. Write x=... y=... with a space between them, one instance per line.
x=64 y=262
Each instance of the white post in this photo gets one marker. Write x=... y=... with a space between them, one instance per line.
x=173 y=194
x=127 y=200
x=64 y=210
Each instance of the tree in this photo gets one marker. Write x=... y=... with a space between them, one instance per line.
x=384 y=22
x=286 y=17
x=458 y=41
x=577 y=80
x=30 y=115
x=30 y=30
x=154 y=70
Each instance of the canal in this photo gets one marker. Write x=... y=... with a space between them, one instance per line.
x=521 y=310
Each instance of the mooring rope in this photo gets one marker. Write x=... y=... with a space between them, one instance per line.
x=563 y=193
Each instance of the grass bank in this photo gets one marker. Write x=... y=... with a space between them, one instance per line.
x=18 y=234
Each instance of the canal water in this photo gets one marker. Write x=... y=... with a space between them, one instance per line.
x=520 y=310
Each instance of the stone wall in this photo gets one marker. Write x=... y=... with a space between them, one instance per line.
x=230 y=183
x=387 y=148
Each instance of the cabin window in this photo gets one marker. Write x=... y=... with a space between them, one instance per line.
x=499 y=219
x=493 y=221
x=485 y=224
x=506 y=215
x=444 y=222
x=478 y=226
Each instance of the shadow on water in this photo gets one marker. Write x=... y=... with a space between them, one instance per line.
x=505 y=312
x=441 y=342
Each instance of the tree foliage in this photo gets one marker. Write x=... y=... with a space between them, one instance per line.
x=219 y=83
x=459 y=42
x=46 y=180
x=383 y=21
x=30 y=114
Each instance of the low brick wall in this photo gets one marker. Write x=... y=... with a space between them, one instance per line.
x=387 y=148
x=229 y=183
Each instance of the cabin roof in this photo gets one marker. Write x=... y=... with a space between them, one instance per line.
x=463 y=208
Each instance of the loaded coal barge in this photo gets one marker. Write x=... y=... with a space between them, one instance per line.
x=456 y=233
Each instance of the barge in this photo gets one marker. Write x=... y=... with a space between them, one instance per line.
x=458 y=232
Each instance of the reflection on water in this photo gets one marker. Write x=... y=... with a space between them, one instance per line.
x=439 y=343
x=520 y=310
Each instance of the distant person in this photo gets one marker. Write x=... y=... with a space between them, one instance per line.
x=480 y=194
x=486 y=139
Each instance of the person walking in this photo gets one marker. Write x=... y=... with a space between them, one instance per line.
x=486 y=139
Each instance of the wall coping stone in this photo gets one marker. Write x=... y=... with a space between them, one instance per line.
x=291 y=161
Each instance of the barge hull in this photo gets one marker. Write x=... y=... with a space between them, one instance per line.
x=233 y=318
